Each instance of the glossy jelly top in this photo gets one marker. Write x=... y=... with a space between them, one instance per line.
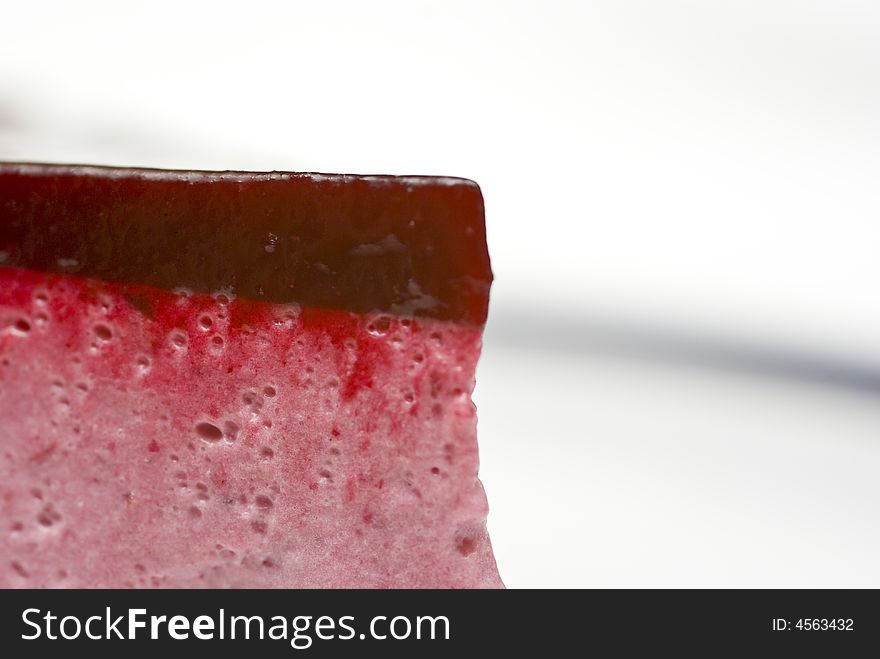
x=404 y=245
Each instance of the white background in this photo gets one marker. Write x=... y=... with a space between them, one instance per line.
x=670 y=187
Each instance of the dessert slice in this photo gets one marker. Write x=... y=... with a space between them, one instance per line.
x=240 y=380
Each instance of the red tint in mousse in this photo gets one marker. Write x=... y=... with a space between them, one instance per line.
x=288 y=408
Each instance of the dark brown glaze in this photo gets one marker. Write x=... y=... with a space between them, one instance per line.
x=404 y=245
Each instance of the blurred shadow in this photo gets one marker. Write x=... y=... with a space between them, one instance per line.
x=631 y=340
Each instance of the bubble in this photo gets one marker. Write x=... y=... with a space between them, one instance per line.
x=465 y=545
x=143 y=363
x=48 y=516
x=286 y=315
x=217 y=342
x=206 y=322
x=178 y=339
x=379 y=325
x=269 y=391
x=209 y=432
x=21 y=327
x=103 y=332
x=435 y=470
x=267 y=452
x=41 y=297
x=271 y=243
x=231 y=430
x=252 y=400
x=263 y=502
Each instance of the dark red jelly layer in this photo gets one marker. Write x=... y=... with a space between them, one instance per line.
x=404 y=245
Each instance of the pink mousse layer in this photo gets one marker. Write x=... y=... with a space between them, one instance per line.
x=159 y=439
